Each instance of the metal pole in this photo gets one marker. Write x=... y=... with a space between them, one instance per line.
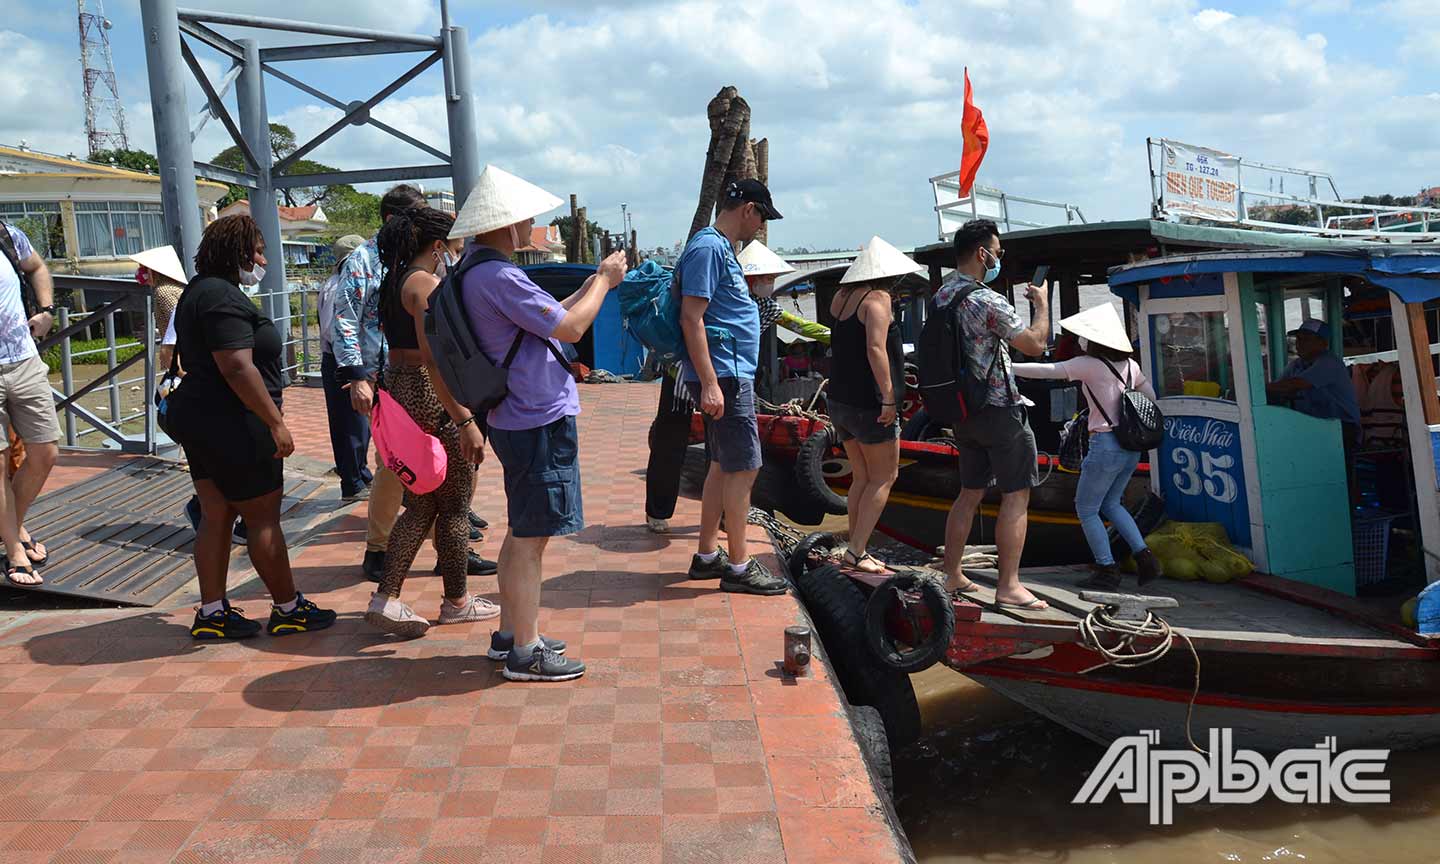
x=304 y=332
x=460 y=111
x=149 y=388
x=255 y=126
x=111 y=359
x=67 y=377
x=161 y=26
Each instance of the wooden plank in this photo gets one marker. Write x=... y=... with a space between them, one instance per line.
x=1420 y=357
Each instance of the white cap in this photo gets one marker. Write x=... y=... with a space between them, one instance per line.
x=500 y=199
x=756 y=259
x=1100 y=324
x=163 y=260
x=879 y=260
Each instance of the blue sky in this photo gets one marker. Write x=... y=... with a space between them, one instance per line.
x=860 y=100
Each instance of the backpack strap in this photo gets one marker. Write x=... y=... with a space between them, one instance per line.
x=959 y=328
x=1095 y=403
x=27 y=291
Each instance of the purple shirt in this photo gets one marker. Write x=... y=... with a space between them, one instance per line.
x=501 y=300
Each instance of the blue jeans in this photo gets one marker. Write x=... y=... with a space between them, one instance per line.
x=1103 y=476
x=349 y=431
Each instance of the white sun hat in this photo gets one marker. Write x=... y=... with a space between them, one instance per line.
x=163 y=260
x=756 y=259
x=879 y=260
x=1101 y=325
x=500 y=199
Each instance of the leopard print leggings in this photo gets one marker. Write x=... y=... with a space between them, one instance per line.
x=447 y=508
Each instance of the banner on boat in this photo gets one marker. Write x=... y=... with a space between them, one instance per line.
x=1199 y=182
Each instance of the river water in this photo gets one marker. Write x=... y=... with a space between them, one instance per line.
x=991 y=781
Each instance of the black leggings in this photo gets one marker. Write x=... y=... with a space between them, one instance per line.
x=669 y=436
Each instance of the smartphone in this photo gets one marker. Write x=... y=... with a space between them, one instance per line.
x=1040 y=273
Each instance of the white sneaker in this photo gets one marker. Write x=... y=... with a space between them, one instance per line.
x=476 y=608
x=657 y=526
x=388 y=614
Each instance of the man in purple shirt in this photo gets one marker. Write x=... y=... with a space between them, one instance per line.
x=533 y=430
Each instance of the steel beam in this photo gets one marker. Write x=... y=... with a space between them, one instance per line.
x=217 y=107
x=369 y=175
x=255 y=119
x=460 y=112
x=99 y=382
x=339 y=49
x=220 y=43
x=331 y=100
x=350 y=115
x=224 y=175
x=202 y=117
x=161 y=28
x=263 y=23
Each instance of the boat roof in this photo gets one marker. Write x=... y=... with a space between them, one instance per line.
x=1412 y=273
x=1087 y=252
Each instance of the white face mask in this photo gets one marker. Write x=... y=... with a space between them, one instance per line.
x=252 y=276
x=443 y=262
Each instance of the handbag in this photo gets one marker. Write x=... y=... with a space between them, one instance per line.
x=417 y=457
x=165 y=389
x=1075 y=441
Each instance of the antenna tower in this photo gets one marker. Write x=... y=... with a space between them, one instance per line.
x=104 y=116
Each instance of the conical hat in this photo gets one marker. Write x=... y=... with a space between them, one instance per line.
x=1100 y=324
x=498 y=200
x=879 y=260
x=163 y=260
x=756 y=259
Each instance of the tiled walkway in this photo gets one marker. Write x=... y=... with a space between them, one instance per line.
x=126 y=742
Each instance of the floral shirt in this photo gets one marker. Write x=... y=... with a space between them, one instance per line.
x=355 y=335
x=988 y=322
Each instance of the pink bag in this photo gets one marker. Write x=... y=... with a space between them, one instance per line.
x=417 y=457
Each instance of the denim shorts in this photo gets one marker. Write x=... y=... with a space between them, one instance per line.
x=542 y=478
x=734 y=439
x=861 y=424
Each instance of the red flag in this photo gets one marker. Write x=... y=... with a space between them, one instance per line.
x=977 y=140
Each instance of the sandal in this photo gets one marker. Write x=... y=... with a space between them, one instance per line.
x=1035 y=605
x=12 y=571
x=970 y=587
x=32 y=552
x=857 y=561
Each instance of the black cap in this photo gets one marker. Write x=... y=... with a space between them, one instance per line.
x=754 y=192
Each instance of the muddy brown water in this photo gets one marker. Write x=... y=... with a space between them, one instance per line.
x=991 y=781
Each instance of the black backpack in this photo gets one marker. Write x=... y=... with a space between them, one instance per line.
x=1142 y=424
x=472 y=378
x=950 y=390
x=27 y=291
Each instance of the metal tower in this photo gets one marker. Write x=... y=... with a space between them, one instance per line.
x=104 y=116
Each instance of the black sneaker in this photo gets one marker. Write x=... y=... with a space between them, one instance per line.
x=306 y=616
x=757 y=579
x=476 y=535
x=228 y=623
x=477 y=522
x=1147 y=566
x=238 y=535
x=542 y=665
x=1105 y=578
x=501 y=643
x=373 y=566
x=474 y=566
x=717 y=569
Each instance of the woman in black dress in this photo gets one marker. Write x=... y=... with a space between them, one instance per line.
x=226 y=415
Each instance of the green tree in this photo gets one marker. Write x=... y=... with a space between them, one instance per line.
x=133 y=160
x=282 y=144
x=567 y=229
x=353 y=212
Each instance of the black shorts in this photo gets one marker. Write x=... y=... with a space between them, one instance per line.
x=236 y=454
x=862 y=424
x=997 y=444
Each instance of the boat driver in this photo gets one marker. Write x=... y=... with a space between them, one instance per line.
x=1317 y=383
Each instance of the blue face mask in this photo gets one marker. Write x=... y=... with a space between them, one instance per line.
x=992 y=271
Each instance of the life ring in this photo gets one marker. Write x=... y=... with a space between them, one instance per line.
x=815 y=464
x=836 y=607
x=878 y=610
x=820 y=541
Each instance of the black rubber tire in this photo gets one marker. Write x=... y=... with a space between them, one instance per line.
x=816 y=542
x=869 y=729
x=942 y=617
x=921 y=428
x=836 y=606
x=810 y=470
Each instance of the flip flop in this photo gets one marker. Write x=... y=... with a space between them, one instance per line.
x=1033 y=606
x=970 y=587
x=37 y=560
x=29 y=571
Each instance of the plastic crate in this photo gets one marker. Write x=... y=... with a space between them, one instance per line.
x=1371 y=534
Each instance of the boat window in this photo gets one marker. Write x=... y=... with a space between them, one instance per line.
x=1192 y=355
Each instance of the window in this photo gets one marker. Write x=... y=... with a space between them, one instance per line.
x=1192 y=355
x=117 y=228
x=41 y=223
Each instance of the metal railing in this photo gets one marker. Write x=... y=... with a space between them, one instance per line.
x=987 y=202
x=296 y=312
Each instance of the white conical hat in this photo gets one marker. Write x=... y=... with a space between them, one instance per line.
x=500 y=199
x=756 y=259
x=1100 y=324
x=879 y=260
x=163 y=260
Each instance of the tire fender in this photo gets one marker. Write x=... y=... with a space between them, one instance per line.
x=933 y=646
x=810 y=469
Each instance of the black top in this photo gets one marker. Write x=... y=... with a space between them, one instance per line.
x=397 y=322
x=215 y=315
x=852 y=382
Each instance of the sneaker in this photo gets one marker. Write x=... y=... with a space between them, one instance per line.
x=757 y=579
x=192 y=512
x=542 y=665
x=1105 y=578
x=361 y=494
x=239 y=535
x=304 y=618
x=389 y=614
x=1147 y=566
x=476 y=535
x=717 y=569
x=501 y=642
x=477 y=566
x=373 y=566
x=477 y=522
x=228 y=623
x=657 y=526
x=476 y=608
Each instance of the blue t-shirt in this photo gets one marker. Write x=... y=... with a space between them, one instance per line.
x=1332 y=392
x=707 y=268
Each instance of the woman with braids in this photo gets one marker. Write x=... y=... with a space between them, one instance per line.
x=226 y=414
x=415 y=253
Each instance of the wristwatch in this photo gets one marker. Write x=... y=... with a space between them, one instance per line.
x=48 y=310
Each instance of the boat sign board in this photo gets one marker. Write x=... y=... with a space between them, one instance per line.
x=1199 y=182
x=1202 y=473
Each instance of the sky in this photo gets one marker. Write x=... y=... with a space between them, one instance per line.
x=861 y=101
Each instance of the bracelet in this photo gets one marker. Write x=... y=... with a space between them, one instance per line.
x=466 y=422
x=884 y=404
